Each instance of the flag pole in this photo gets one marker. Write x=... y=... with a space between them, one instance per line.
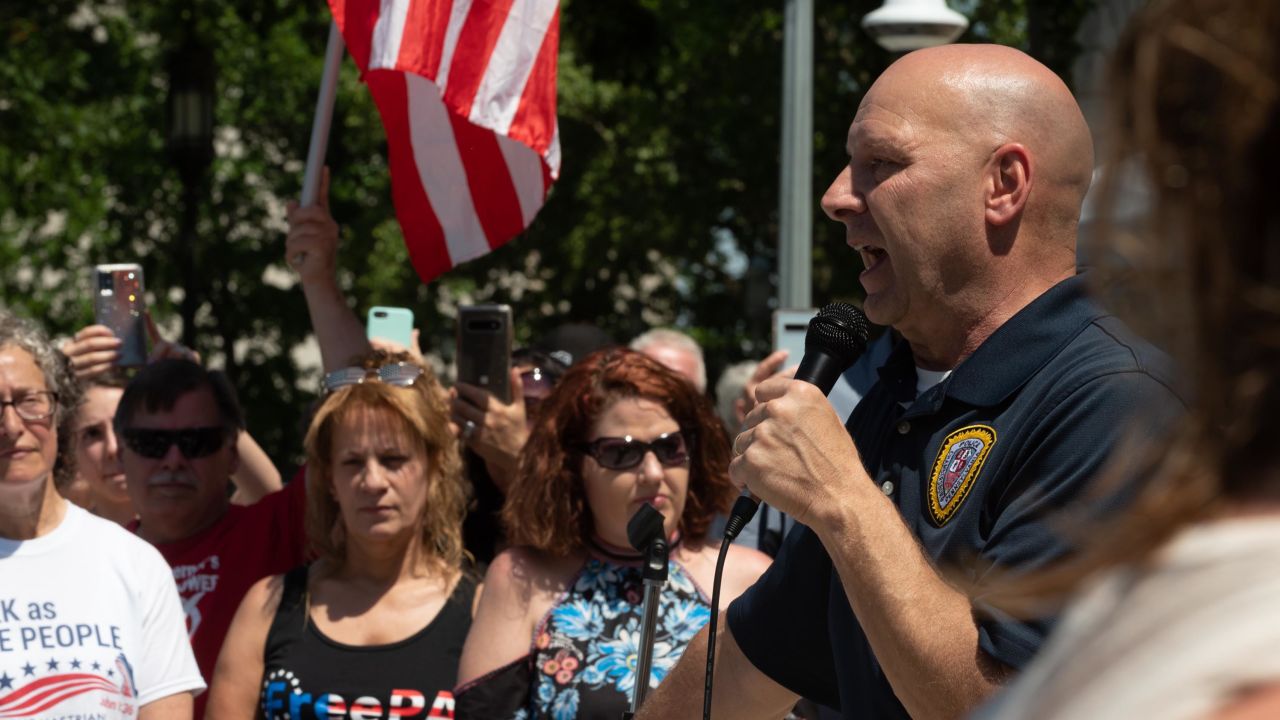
x=320 y=124
x=324 y=116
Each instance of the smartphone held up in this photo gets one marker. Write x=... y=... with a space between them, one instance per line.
x=119 y=304
x=390 y=323
x=484 y=348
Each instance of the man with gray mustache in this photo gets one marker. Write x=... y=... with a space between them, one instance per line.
x=178 y=424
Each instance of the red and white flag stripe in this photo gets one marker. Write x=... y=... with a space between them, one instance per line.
x=45 y=693
x=467 y=94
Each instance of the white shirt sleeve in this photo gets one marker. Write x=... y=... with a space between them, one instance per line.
x=167 y=666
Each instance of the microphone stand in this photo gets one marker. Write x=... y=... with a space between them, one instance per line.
x=645 y=532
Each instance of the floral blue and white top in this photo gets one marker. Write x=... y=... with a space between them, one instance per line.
x=583 y=660
x=585 y=650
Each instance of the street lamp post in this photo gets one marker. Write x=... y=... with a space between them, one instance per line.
x=189 y=139
x=795 y=209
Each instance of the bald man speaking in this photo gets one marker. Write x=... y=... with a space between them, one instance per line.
x=967 y=168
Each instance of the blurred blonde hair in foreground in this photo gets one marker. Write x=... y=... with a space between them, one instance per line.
x=1195 y=112
x=1183 y=623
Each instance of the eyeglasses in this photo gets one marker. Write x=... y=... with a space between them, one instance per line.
x=400 y=374
x=537 y=384
x=624 y=453
x=33 y=406
x=196 y=442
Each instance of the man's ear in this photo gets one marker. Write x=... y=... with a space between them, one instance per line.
x=1008 y=183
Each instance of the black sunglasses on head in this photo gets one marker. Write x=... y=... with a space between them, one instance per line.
x=193 y=443
x=624 y=453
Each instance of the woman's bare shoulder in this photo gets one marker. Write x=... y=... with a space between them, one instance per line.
x=742 y=566
x=264 y=595
x=527 y=576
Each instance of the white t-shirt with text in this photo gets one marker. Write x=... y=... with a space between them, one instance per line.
x=90 y=624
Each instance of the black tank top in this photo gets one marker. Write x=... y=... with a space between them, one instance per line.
x=307 y=675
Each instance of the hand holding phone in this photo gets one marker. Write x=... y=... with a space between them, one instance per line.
x=92 y=351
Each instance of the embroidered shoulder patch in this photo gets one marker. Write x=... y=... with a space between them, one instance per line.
x=959 y=461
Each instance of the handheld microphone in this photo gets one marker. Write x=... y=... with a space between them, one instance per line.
x=835 y=339
x=837 y=336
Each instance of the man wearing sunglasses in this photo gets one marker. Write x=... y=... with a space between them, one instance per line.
x=178 y=424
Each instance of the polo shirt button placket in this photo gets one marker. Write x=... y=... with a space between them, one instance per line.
x=887 y=487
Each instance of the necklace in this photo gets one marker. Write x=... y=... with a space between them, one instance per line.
x=617 y=554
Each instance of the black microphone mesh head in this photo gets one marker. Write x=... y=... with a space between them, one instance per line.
x=839 y=330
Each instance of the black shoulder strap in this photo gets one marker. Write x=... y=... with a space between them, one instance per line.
x=464 y=593
x=291 y=615
x=295 y=589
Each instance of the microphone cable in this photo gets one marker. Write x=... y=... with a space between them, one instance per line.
x=743 y=510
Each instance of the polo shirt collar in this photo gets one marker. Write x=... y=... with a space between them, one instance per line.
x=1013 y=353
x=898 y=373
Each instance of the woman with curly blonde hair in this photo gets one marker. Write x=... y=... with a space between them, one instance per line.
x=376 y=622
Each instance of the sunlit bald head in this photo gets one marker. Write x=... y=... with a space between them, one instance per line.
x=990 y=95
x=967 y=168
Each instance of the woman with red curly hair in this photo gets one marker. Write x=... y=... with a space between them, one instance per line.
x=557 y=628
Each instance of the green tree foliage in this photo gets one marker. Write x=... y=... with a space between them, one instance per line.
x=665 y=213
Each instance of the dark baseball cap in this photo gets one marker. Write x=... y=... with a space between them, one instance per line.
x=570 y=342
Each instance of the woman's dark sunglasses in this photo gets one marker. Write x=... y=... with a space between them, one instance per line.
x=624 y=453
x=193 y=443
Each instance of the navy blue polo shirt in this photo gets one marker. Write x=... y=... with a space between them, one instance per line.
x=976 y=465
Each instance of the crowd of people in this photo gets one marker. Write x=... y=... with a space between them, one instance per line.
x=1014 y=506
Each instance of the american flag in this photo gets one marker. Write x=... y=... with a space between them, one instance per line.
x=467 y=94
x=47 y=692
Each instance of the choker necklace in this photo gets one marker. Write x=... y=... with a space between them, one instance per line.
x=613 y=552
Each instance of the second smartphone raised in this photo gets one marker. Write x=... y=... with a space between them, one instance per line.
x=484 y=348
x=391 y=323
